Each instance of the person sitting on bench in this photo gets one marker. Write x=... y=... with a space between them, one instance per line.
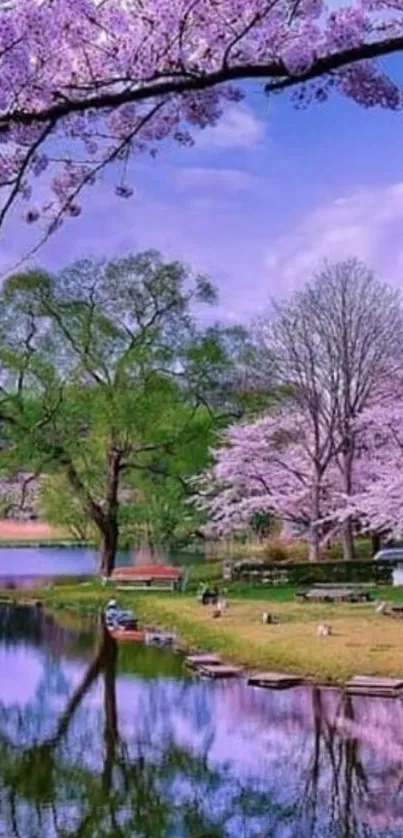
x=208 y=596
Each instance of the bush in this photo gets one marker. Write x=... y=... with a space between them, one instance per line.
x=275 y=551
x=279 y=550
x=310 y=573
x=362 y=547
x=341 y=572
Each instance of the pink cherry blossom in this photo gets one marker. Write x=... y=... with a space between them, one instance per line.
x=271 y=465
x=88 y=84
x=377 y=499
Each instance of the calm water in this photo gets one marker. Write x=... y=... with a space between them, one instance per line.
x=19 y=563
x=97 y=742
x=47 y=561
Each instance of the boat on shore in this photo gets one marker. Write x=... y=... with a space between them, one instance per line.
x=124 y=626
x=127 y=635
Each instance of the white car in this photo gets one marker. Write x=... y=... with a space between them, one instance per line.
x=389 y=554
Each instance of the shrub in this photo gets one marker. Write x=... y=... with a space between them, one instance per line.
x=340 y=572
x=309 y=573
x=298 y=551
x=362 y=547
x=279 y=550
x=275 y=551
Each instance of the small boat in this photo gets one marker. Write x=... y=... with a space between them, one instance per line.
x=124 y=625
x=120 y=622
x=124 y=634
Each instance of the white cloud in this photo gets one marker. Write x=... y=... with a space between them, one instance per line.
x=237 y=128
x=208 y=178
x=367 y=224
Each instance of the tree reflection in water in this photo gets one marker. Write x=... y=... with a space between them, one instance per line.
x=115 y=755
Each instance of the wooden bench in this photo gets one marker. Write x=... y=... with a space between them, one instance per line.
x=157 y=577
x=334 y=594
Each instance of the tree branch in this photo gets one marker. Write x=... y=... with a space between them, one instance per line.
x=94 y=509
x=159 y=86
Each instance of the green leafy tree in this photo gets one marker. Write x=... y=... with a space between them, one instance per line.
x=61 y=507
x=105 y=376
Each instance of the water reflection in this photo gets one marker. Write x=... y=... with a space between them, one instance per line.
x=33 y=566
x=97 y=742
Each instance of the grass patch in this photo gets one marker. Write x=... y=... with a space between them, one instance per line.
x=363 y=642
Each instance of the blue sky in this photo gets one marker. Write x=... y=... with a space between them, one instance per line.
x=257 y=203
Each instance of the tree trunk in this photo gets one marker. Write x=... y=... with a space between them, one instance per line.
x=313 y=545
x=375 y=543
x=313 y=539
x=348 y=541
x=105 y=515
x=109 y=545
x=347 y=530
x=110 y=530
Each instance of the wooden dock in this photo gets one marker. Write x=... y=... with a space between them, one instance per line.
x=371 y=686
x=195 y=661
x=221 y=670
x=274 y=680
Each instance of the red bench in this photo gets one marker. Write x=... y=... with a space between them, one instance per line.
x=140 y=576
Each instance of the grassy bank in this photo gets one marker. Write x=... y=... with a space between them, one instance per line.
x=363 y=642
x=57 y=543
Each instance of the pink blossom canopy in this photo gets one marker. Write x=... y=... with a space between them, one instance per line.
x=86 y=83
x=268 y=466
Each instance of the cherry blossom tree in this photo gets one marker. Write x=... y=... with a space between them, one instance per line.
x=88 y=83
x=270 y=466
x=377 y=501
x=338 y=344
x=275 y=464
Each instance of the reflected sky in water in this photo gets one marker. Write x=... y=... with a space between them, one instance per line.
x=38 y=564
x=97 y=742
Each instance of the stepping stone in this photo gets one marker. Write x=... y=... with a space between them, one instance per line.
x=381 y=687
x=274 y=680
x=220 y=671
x=203 y=660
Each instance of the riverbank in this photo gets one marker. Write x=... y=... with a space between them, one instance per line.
x=362 y=642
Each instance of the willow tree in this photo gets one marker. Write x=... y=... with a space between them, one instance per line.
x=105 y=374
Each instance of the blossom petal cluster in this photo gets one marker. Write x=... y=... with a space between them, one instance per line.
x=268 y=466
x=87 y=84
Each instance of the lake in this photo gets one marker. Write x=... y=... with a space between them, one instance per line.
x=98 y=741
x=18 y=563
